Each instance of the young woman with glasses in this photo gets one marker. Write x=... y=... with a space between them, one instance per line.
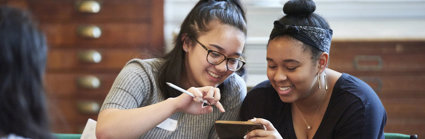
x=206 y=55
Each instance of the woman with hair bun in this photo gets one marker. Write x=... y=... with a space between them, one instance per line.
x=302 y=97
x=205 y=58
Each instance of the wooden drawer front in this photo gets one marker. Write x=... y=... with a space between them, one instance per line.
x=69 y=60
x=64 y=85
x=378 y=56
x=120 y=30
x=112 y=34
x=396 y=86
x=68 y=116
x=110 y=10
x=406 y=108
x=405 y=115
x=406 y=126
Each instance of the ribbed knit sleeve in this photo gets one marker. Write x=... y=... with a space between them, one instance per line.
x=133 y=86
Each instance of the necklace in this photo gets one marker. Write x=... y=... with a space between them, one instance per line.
x=308 y=127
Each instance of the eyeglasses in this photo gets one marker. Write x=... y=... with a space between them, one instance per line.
x=216 y=58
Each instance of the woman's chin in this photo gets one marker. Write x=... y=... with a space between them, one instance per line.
x=286 y=99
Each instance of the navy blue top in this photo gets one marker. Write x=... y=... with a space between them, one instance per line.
x=354 y=111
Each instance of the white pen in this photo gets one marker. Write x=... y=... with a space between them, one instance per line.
x=205 y=103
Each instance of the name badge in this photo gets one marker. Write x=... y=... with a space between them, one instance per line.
x=168 y=124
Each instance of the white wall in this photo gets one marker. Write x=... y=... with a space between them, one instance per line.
x=349 y=19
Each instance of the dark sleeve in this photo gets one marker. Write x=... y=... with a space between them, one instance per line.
x=248 y=108
x=253 y=104
x=351 y=123
x=364 y=118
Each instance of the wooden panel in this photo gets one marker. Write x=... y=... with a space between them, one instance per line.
x=65 y=116
x=130 y=29
x=394 y=56
x=157 y=34
x=111 y=11
x=387 y=86
x=112 y=59
x=406 y=126
x=113 y=35
x=20 y=4
x=63 y=85
x=405 y=108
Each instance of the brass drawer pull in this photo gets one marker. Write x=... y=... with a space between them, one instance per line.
x=90 y=56
x=89 y=82
x=88 y=107
x=88 y=6
x=90 y=31
x=365 y=63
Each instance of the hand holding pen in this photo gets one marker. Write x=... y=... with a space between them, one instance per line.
x=208 y=96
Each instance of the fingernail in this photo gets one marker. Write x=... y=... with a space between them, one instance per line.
x=244 y=137
x=253 y=119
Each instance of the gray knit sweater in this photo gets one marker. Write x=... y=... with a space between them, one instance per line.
x=136 y=86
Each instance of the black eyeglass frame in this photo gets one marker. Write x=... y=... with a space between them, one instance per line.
x=225 y=57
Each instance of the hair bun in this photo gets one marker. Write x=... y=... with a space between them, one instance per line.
x=299 y=7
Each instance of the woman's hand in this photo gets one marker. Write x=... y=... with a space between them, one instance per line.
x=194 y=105
x=269 y=133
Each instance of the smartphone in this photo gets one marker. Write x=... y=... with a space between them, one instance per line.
x=235 y=129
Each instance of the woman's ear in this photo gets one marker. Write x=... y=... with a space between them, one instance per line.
x=186 y=42
x=323 y=61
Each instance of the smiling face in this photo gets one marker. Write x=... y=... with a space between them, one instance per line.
x=290 y=69
x=222 y=38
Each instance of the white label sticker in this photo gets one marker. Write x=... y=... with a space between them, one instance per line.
x=168 y=124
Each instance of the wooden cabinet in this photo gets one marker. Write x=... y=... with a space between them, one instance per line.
x=89 y=42
x=395 y=70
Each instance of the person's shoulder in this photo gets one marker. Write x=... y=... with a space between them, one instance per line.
x=262 y=89
x=235 y=85
x=354 y=85
x=357 y=88
x=153 y=62
x=144 y=68
x=235 y=80
x=146 y=64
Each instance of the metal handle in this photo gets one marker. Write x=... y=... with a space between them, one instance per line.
x=90 y=31
x=376 y=62
x=89 y=82
x=88 y=107
x=88 y=6
x=90 y=56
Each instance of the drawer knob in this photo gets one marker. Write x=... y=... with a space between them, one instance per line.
x=89 y=82
x=88 y=6
x=88 y=107
x=90 y=56
x=90 y=31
